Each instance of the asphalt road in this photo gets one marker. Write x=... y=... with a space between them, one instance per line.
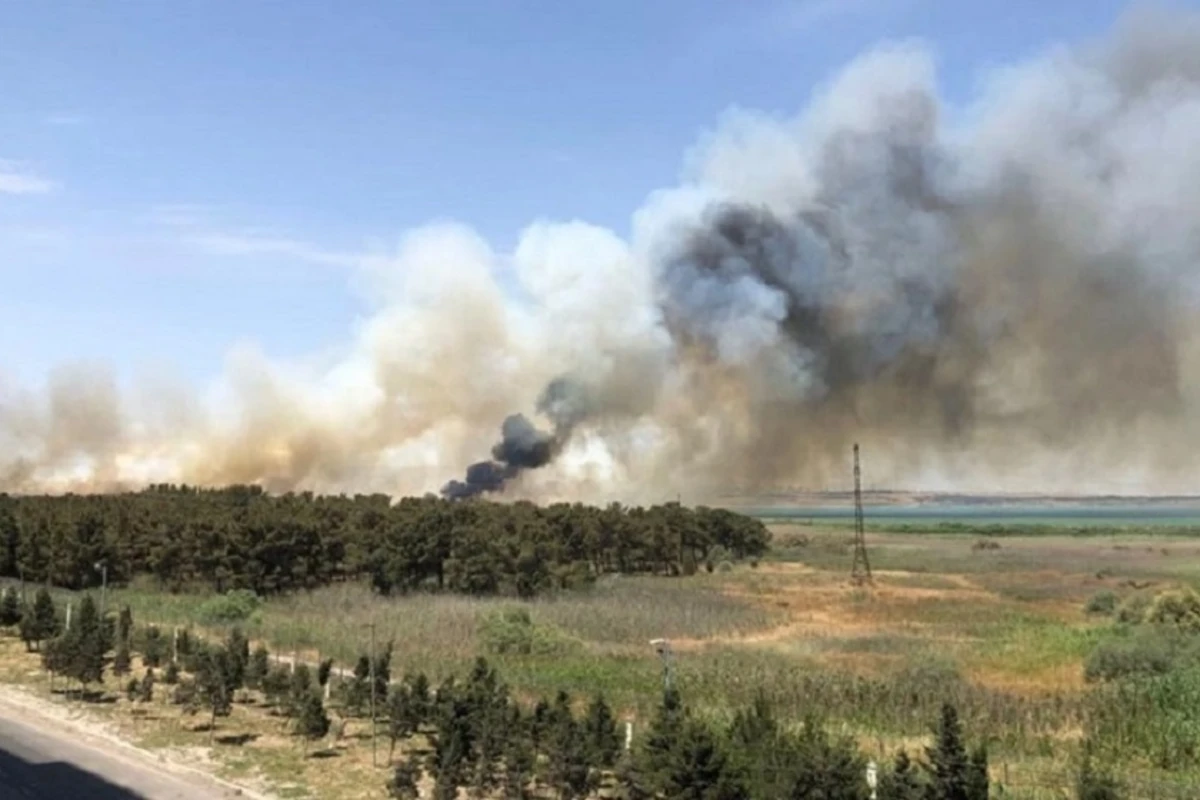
x=42 y=762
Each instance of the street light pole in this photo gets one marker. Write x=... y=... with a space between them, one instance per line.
x=374 y=762
x=663 y=648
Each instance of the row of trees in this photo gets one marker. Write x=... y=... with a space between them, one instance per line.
x=241 y=537
x=473 y=734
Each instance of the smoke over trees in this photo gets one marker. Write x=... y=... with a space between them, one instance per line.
x=984 y=300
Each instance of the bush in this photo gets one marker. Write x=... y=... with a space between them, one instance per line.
x=512 y=632
x=1146 y=654
x=1133 y=609
x=1178 y=609
x=236 y=605
x=1102 y=603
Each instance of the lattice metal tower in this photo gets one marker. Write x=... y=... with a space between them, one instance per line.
x=860 y=572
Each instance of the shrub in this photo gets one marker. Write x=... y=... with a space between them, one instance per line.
x=513 y=632
x=1178 y=609
x=1102 y=603
x=236 y=605
x=1133 y=609
x=1148 y=653
x=986 y=544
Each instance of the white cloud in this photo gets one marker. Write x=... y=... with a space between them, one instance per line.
x=66 y=120
x=194 y=226
x=15 y=179
x=251 y=244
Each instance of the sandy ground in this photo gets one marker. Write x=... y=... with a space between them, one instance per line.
x=48 y=751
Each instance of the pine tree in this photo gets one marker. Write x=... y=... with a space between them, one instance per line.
x=146 y=689
x=518 y=756
x=567 y=760
x=977 y=774
x=300 y=685
x=401 y=724
x=403 y=785
x=661 y=735
x=949 y=768
x=10 y=608
x=153 y=646
x=257 y=669
x=420 y=701
x=89 y=644
x=213 y=684
x=359 y=688
x=311 y=720
x=125 y=627
x=602 y=740
x=41 y=623
x=324 y=671
x=237 y=649
x=699 y=769
x=903 y=782
x=383 y=675
x=120 y=665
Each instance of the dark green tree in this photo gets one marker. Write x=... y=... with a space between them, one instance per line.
x=698 y=768
x=275 y=687
x=903 y=781
x=948 y=766
x=10 y=608
x=567 y=768
x=120 y=665
x=87 y=643
x=146 y=689
x=214 y=677
x=257 y=669
x=171 y=676
x=237 y=649
x=601 y=738
x=153 y=646
x=403 y=783
x=124 y=626
x=825 y=767
x=358 y=689
x=41 y=623
x=324 y=671
x=312 y=722
x=518 y=756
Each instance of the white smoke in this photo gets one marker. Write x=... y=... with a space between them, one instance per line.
x=1003 y=302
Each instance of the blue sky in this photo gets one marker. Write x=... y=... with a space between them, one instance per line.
x=179 y=176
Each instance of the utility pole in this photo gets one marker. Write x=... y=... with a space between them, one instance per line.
x=374 y=762
x=860 y=571
x=663 y=648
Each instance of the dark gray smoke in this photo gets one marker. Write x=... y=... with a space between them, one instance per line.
x=522 y=445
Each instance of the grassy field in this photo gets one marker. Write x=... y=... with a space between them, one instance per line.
x=998 y=628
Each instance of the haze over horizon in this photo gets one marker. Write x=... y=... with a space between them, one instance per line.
x=695 y=246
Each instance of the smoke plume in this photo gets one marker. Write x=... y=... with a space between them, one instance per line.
x=1001 y=297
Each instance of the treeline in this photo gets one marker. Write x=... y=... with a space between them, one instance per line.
x=243 y=538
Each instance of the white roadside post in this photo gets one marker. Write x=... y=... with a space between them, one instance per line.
x=872 y=778
x=628 y=736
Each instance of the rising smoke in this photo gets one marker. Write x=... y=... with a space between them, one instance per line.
x=996 y=297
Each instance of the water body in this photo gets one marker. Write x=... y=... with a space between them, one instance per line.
x=1082 y=515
